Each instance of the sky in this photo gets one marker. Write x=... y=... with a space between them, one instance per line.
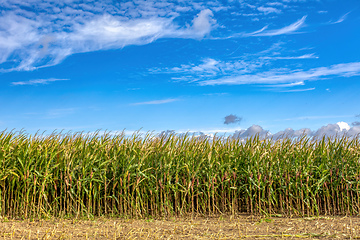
x=231 y=66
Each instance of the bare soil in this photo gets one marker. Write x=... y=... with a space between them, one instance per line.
x=217 y=227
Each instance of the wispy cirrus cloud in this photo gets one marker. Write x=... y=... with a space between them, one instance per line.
x=290 y=29
x=43 y=33
x=297 y=90
x=266 y=32
x=36 y=34
x=341 y=19
x=38 y=81
x=210 y=68
x=293 y=84
x=305 y=56
x=156 y=102
x=251 y=70
x=277 y=76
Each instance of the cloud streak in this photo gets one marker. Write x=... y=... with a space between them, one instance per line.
x=291 y=29
x=38 y=81
x=341 y=19
x=287 y=76
x=156 y=102
x=305 y=56
x=298 y=90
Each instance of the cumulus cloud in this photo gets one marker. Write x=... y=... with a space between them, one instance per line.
x=255 y=130
x=331 y=130
x=354 y=131
x=203 y=23
x=230 y=119
x=290 y=133
x=38 y=81
x=339 y=129
x=343 y=126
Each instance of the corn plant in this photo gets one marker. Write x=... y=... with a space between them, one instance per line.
x=82 y=174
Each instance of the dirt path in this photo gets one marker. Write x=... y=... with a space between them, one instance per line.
x=220 y=227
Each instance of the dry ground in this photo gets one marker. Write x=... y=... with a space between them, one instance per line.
x=219 y=227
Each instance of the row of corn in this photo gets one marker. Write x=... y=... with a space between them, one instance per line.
x=146 y=175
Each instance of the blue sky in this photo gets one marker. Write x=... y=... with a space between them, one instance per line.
x=209 y=66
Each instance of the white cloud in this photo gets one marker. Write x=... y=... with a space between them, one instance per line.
x=298 y=90
x=275 y=4
x=354 y=131
x=203 y=23
x=36 y=34
x=343 y=126
x=268 y=10
x=301 y=83
x=292 y=28
x=38 y=81
x=341 y=19
x=330 y=130
x=290 y=133
x=285 y=75
x=255 y=130
x=305 y=56
x=210 y=68
x=155 y=102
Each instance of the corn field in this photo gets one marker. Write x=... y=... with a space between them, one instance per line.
x=76 y=174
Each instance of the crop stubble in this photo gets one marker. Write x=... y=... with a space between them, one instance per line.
x=216 y=227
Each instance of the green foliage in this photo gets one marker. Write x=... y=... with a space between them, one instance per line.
x=87 y=175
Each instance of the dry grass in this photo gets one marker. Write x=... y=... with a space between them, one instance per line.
x=219 y=227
